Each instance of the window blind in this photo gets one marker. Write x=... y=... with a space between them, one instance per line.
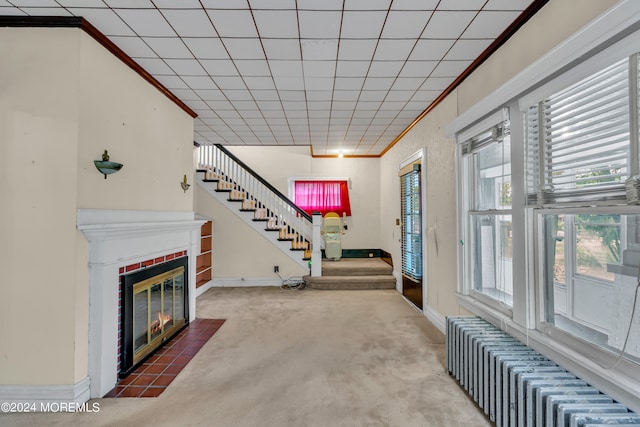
x=578 y=140
x=411 y=224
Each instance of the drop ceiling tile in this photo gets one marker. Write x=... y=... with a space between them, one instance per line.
x=259 y=83
x=105 y=20
x=265 y=95
x=414 y=4
x=168 y=47
x=244 y=48
x=155 y=66
x=408 y=83
x=418 y=106
x=418 y=68
x=359 y=49
x=450 y=68
x=272 y=4
x=319 y=114
x=385 y=68
x=346 y=95
x=323 y=49
x=425 y=96
x=319 y=5
x=405 y=24
x=289 y=83
x=172 y=82
x=274 y=117
x=47 y=11
x=196 y=104
x=392 y=105
x=368 y=106
x=133 y=46
x=292 y=95
x=199 y=82
x=130 y=4
x=286 y=68
x=282 y=49
x=225 y=4
x=319 y=68
x=319 y=24
x=349 y=84
x=277 y=23
x=373 y=95
x=182 y=4
x=362 y=24
x=221 y=104
x=233 y=23
x=237 y=94
x=186 y=94
x=367 y=4
x=319 y=95
x=253 y=67
x=228 y=114
x=146 y=22
x=343 y=105
x=391 y=49
x=518 y=5
x=190 y=23
x=77 y=3
x=187 y=67
x=448 y=24
x=211 y=94
x=378 y=83
x=437 y=83
x=11 y=11
x=269 y=105
x=206 y=48
x=400 y=95
x=294 y=105
x=318 y=83
x=467 y=49
x=431 y=50
x=225 y=82
x=219 y=67
x=489 y=24
x=352 y=68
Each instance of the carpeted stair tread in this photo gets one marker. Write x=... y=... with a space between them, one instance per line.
x=350 y=282
x=356 y=267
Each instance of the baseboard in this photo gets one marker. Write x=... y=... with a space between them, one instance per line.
x=204 y=288
x=46 y=398
x=241 y=282
x=436 y=318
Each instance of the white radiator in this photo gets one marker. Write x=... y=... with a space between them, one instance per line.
x=518 y=387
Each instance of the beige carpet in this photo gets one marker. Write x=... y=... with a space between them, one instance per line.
x=300 y=358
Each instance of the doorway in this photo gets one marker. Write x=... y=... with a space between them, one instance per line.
x=411 y=233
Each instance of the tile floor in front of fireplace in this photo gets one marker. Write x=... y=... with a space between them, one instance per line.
x=152 y=377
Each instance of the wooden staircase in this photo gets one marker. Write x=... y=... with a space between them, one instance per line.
x=353 y=273
x=261 y=214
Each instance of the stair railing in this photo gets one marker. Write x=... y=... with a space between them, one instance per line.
x=265 y=198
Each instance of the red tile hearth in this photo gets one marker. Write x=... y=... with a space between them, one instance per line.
x=152 y=377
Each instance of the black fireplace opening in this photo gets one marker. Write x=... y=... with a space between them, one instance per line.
x=155 y=307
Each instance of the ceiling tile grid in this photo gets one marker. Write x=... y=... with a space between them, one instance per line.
x=340 y=75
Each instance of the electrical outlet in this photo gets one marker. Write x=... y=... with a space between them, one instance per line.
x=276 y=268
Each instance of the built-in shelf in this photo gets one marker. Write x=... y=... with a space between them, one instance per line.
x=203 y=260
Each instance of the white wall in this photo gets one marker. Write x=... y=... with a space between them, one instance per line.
x=63 y=100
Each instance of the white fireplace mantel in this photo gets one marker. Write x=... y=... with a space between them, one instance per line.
x=118 y=238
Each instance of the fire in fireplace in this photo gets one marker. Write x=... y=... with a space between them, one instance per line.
x=154 y=309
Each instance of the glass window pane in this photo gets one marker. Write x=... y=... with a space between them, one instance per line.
x=493 y=176
x=592 y=264
x=492 y=263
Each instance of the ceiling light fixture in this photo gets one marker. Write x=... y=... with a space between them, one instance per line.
x=105 y=166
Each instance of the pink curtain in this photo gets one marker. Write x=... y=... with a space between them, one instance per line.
x=323 y=197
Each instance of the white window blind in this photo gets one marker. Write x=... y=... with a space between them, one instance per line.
x=411 y=224
x=578 y=140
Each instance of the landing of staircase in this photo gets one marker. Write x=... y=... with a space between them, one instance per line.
x=354 y=273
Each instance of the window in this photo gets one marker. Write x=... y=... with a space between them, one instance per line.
x=579 y=144
x=323 y=197
x=487 y=159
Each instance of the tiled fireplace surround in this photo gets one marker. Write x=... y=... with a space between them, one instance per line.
x=120 y=241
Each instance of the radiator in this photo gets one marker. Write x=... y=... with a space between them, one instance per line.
x=516 y=386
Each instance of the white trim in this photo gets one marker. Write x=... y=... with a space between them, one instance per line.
x=418 y=155
x=241 y=282
x=602 y=29
x=436 y=318
x=204 y=288
x=39 y=396
x=488 y=122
